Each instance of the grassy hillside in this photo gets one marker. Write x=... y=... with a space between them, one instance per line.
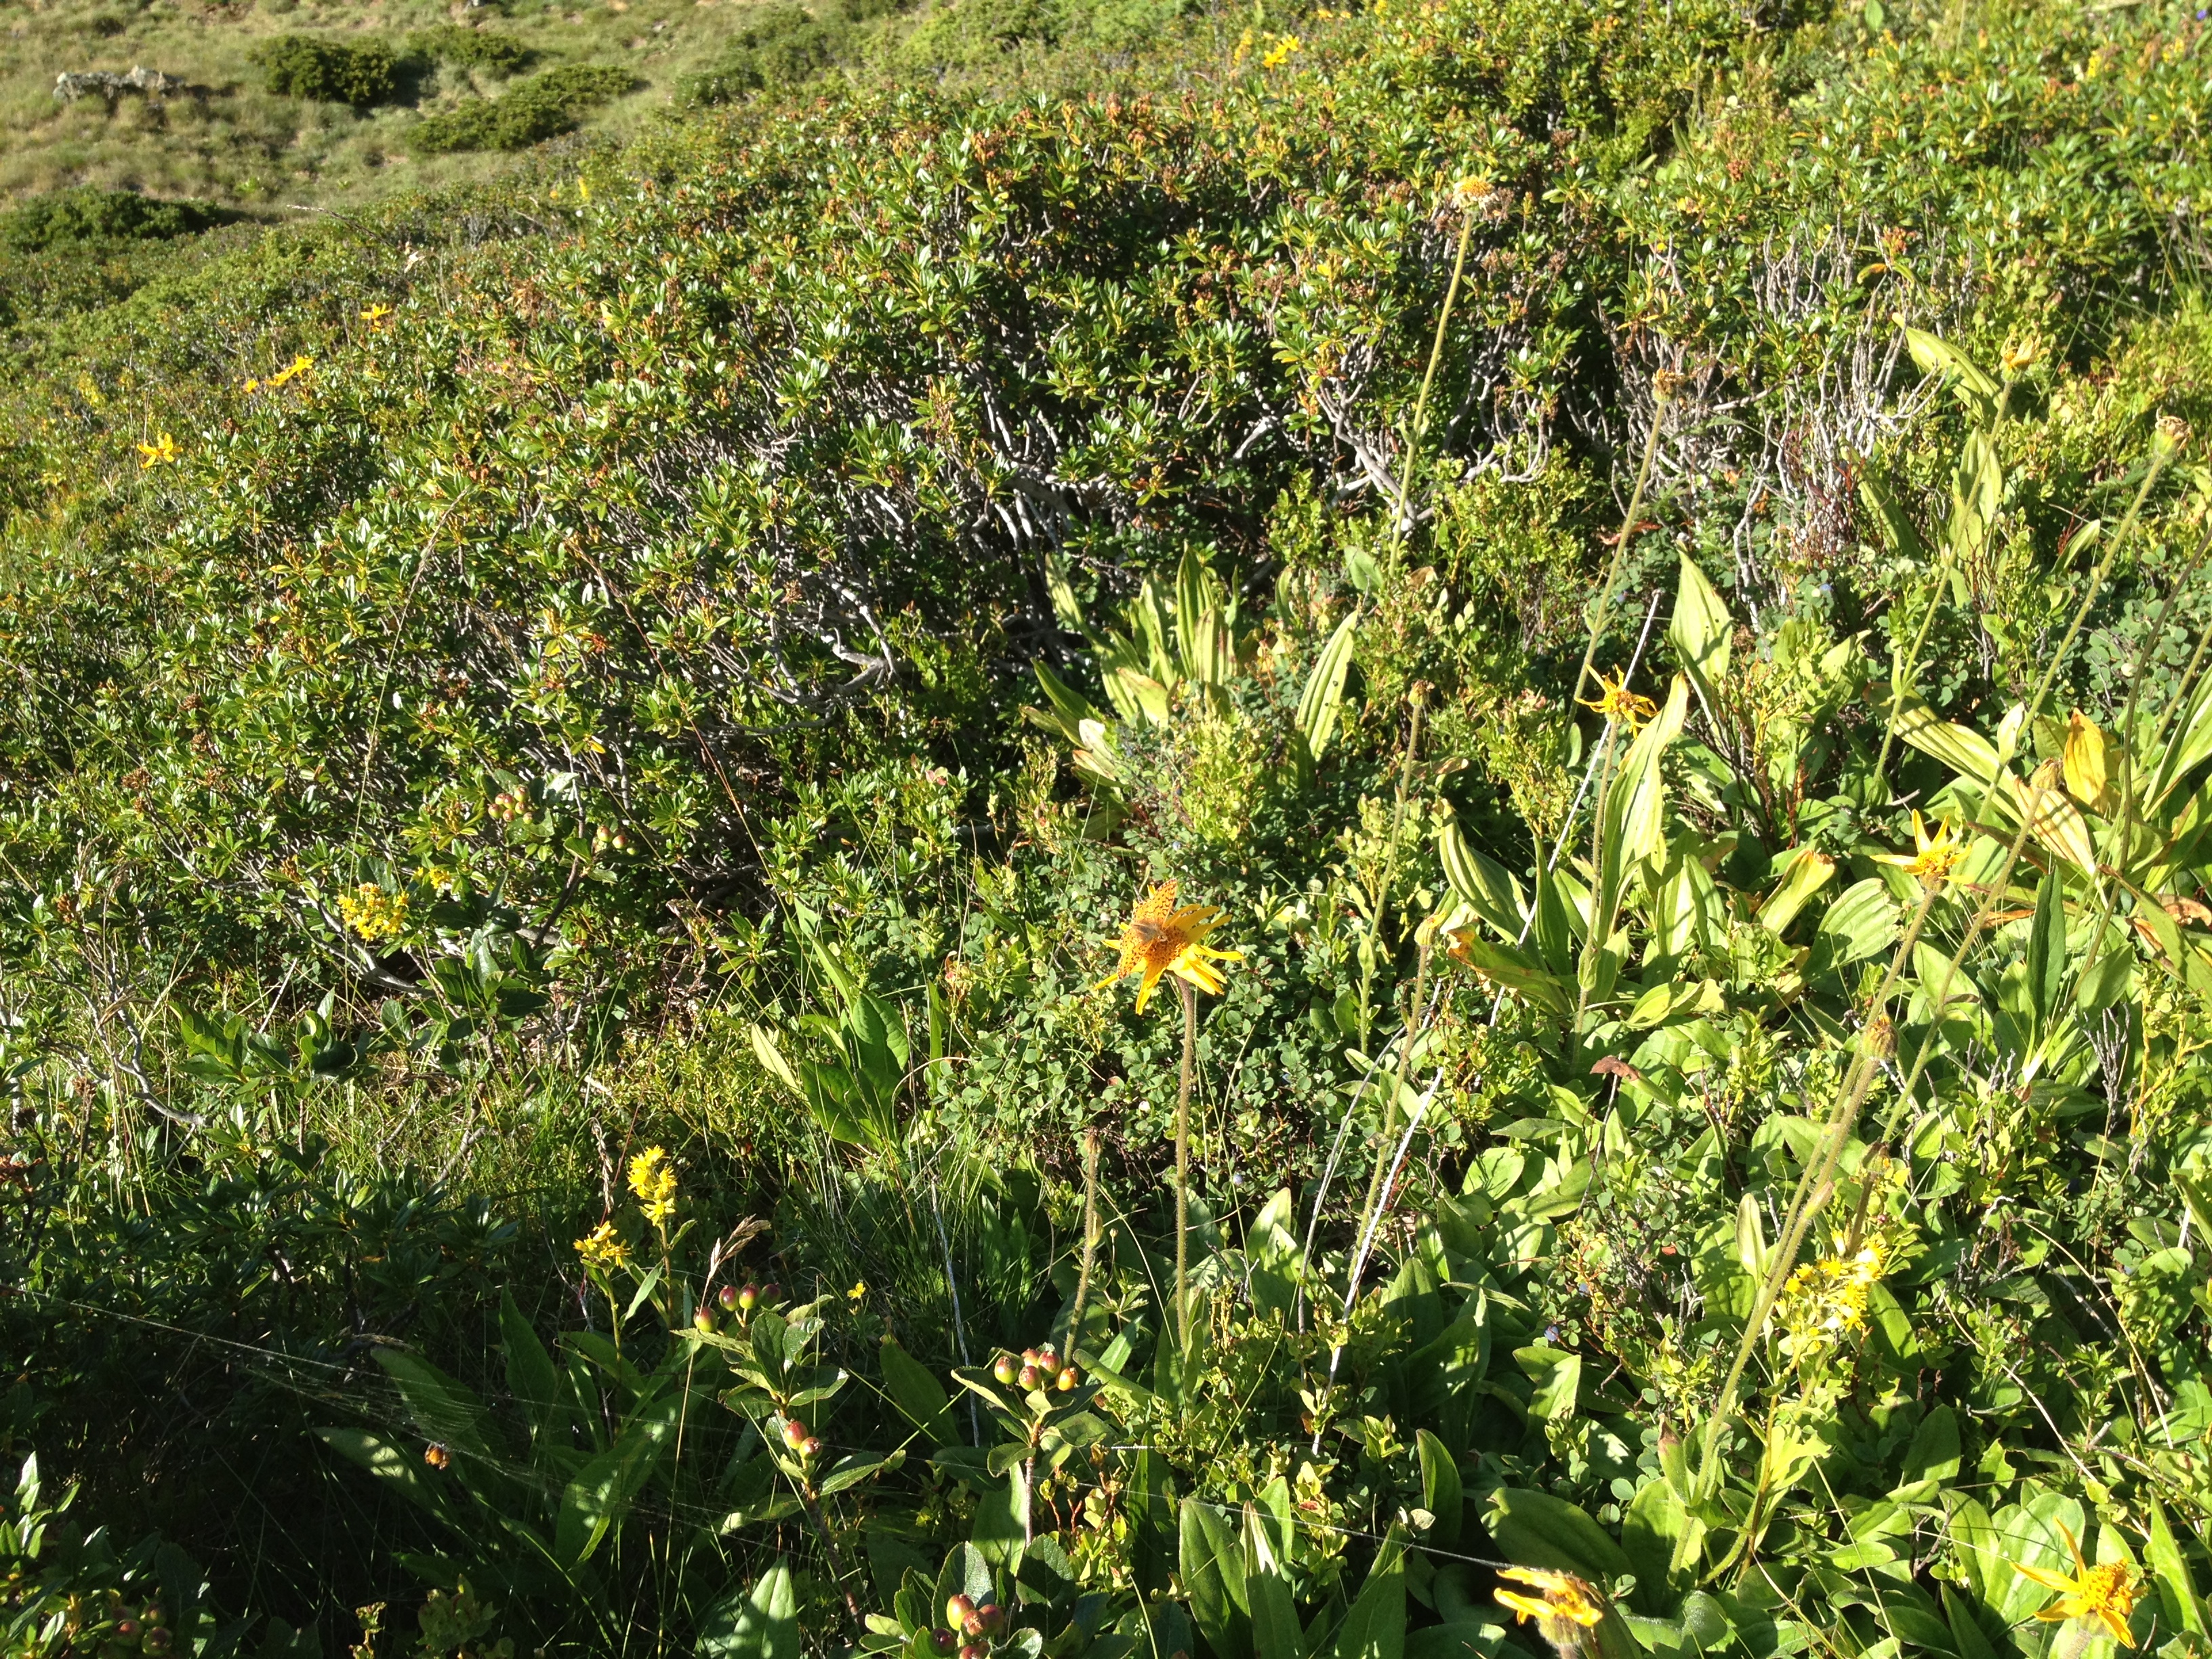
x=589 y=744
x=221 y=134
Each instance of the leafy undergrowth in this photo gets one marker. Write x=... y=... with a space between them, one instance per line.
x=577 y=758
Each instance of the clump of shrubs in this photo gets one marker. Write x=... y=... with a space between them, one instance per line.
x=533 y=109
x=86 y=216
x=359 y=73
x=784 y=45
x=467 y=48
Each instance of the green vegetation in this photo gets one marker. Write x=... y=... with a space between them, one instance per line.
x=534 y=110
x=88 y=217
x=359 y=73
x=1378 y=836
x=471 y=48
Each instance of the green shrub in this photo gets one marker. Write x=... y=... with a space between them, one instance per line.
x=359 y=73
x=784 y=45
x=85 y=216
x=534 y=110
x=468 y=48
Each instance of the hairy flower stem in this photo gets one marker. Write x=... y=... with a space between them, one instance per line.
x=1089 y=1238
x=1815 y=1186
x=1378 y=896
x=1183 y=1162
x=1413 y=1021
x=1621 y=547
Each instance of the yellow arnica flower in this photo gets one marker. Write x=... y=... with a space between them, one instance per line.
x=1934 y=859
x=375 y=313
x=1161 y=939
x=1563 y=1607
x=652 y=1178
x=600 y=1247
x=160 y=452
x=1619 y=704
x=2105 y=1595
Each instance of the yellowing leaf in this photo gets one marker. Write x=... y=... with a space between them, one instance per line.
x=2083 y=758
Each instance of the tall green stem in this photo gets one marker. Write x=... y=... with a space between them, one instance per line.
x=1183 y=1162
x=1090 y=1237
x=1401 y=520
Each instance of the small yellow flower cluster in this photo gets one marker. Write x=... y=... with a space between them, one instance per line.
x=160 y=452
x=1825 y=1300
x=653 y=1179
x=373 y=314
x=1280 y=54
x=373 y=914
x=292 y=371
x=600 y=1247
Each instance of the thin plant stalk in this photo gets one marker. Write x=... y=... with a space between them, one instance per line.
x=1401 y=518
x=1189 y=993
x=1089 y=1238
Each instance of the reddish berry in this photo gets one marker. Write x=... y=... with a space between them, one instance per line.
x=956 y=1609
x=730 y=1297
x=811 y=1448
x=993 y=1617
x=1003 y=1369
x=971 y=1651
x=749 y=1296
x=1069 y=1379
x=704 y=1319
x=943 y=1639
x=1029 y=1376
x=794 y=1433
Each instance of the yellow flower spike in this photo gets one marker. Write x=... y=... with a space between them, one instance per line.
x=1160 y=939
x=652 y=1180
x=1619 y=705
x=1567 y=1607
x=600 y=1247
x=2103 y=1594
x=1934 y=858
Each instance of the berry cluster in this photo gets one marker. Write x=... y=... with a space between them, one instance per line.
x=969 y=1628
x=732 y=1299
x=105 y=1624
x=801 y=1439
x=1039 y=1367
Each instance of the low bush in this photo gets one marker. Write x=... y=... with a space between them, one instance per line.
x=355 y=72
x=88 y=217
x=468 y=48
x=783 y=46
x=534 y=110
